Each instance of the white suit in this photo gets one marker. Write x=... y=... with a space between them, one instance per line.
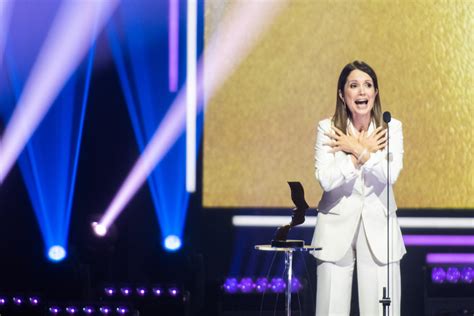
x=356 y=200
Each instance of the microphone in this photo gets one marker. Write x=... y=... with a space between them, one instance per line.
x=387 y=117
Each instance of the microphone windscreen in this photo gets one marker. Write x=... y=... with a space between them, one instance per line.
x=387 y=117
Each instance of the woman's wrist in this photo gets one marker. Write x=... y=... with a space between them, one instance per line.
x=361 y=158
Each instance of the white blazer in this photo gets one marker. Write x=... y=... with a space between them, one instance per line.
x=351 y=194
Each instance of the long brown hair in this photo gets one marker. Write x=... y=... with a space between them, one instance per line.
x=342 y=112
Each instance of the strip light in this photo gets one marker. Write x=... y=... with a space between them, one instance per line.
x=405 y=222
x=450 y=258
x=5 y=15
x=173 y=44
x=191 y=99
x=438 y=240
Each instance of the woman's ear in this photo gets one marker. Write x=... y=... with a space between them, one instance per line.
x=340 y=96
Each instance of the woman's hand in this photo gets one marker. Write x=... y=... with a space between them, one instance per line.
x=342 y=142
x=375 y=141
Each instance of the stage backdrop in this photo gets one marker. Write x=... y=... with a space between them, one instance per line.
x=260 y=127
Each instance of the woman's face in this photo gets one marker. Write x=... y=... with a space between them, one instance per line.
x=359 y=93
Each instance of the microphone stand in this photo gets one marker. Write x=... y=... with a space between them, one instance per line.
x=386 y=301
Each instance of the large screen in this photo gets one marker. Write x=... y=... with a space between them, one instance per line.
x=260 y=126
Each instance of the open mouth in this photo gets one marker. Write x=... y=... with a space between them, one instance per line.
x=360 y=102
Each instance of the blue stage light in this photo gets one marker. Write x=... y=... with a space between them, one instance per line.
x=453 y=275
x=56 y=253
x=467 y=275
x=172 y=243
x=438 y=275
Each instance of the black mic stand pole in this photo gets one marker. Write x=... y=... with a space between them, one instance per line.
x=386 y=301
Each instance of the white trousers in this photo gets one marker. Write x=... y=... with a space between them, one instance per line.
x=334 y=282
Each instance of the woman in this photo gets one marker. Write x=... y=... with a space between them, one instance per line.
x=351 y=167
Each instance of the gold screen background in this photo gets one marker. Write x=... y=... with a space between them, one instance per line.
x=260 y=127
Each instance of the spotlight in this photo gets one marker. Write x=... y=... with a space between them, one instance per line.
x=231 y=285
x=438 y=275
x=278 y=285
x=56 y=253
x=261 y=285
x=246 y=285
x=122 y=310
x=54 y=310
x=296 y=285
x=99 y=229
x=17 y=300
x=105 y=310
x=173 y=291
x=88 y=310
x=467 y=275
x=34 y=300
x=110 y=291
x=3 y=300
x=71 y=310
x=172 y=243
x=126 y=291
x=453 y=275
x=157 y=291
x=141 y=291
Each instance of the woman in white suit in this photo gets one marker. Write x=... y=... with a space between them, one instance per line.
x=351 y=166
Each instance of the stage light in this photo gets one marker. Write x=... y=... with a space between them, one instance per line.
x=450 y=258
x=141 y=291
x=172 y=243
x=231 y=285
x=438 y=275
x=262 y=285
x=110 y=291
x=56 y=253
x=99 y=229
x=173 y=291
x=105 y=310
x=126 y=291
x=296 y=285
x=3 y=300
x=88 y=310
x=453 y=275
x=34 y=300
x=278 y=285
x=157 y=291
x=246 y=285
x=71 y=310
x=173 y=44
x=122 y=310
x=467 y=275
x=17 y=300
x=54 y=310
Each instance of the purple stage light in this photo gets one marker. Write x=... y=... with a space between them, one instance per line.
x=438 y=240
x=141 y=291
x=71 y=310
x=450 y=258
x=467 y=275
x=54 y=310
x=88 y=310
x=34 y=300
x=278 y=285
x=122 y=310
x=173 y=291
x=126 y=291
x=296 y=285
x=246 y=285
x=157 y=291
x=231 y=285
x=17 y=300
x=105 y=310
x=173 y=44
x=110 y=291
x=3 y=300
x=261 y=285
x=453 y=275
x=438 y=275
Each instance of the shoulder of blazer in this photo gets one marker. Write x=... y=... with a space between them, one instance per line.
x=325 y=124
x=394 y=123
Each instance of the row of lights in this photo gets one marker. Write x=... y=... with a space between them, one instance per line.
x=260 y=285
x=142 y=291
x=452 y=275
x=35 y=302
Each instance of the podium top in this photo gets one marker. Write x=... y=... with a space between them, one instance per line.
x=286 y=249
